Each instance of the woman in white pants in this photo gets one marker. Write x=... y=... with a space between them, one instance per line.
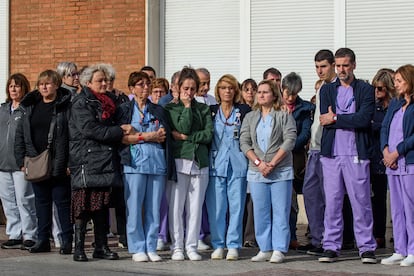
x=192 y=131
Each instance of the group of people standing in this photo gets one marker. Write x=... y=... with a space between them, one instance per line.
x=169 y=151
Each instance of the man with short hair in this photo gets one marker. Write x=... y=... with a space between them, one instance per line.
x=347 y=107
x=202 y=95
x=274 y=75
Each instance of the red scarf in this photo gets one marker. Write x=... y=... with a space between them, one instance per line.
x=108 y=106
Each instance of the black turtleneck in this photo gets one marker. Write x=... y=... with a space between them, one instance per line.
x=40 y=124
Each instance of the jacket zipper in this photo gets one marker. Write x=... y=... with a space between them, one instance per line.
x=83 y=176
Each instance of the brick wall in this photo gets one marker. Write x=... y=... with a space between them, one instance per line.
x=46 y=32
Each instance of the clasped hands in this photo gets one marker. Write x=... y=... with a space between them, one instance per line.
x=265 y=168
x=390 y=158
x=131 y=135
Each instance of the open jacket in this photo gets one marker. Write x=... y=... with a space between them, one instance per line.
x=360 y=121
x=283 y=137
x=406 y=147
x=124 y=116
x=24 y=144
x=93 y=144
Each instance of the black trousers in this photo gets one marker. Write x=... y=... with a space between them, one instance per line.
x=379 y=204
x=46 y=192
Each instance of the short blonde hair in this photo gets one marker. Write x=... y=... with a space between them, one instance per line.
x=233 y=82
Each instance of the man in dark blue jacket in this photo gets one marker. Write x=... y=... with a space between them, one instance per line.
x=347 y=107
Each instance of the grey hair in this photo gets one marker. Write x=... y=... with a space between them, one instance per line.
x=292 y=83
x=66 y=68
x=111 y=71
x=87 y=73
x=203 y=71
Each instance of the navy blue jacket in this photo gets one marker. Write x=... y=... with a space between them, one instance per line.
x=406 y=147
x=376 y=165
x=360 y=121
x=303 y=115
x=124 y=116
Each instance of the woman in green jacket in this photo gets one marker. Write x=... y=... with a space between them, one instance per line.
x=192 y=131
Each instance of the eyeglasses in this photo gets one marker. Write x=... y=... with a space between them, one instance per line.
x=380 y=88
x=143 y=84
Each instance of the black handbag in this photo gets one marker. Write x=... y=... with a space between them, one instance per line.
x=39 y=168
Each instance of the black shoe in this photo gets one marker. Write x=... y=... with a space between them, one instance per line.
x=305 y=248
x=66 y=248
x=368 y=257
x=105 y=253
x=328 y=256
x=12 y=244
x=80 y=256
x=315 y=251
x=251 y=244
x=40 y=247
x=27 y=244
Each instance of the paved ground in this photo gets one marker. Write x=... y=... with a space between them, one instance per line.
x=18 y=262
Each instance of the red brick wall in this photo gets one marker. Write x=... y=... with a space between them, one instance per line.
x=46 y=32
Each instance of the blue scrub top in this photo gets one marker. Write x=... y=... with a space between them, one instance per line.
x=148 y=157
x=225 y=150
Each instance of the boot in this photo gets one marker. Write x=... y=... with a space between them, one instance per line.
x=80 y=230
x=101 y=225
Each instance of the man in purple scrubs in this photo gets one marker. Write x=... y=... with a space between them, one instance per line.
x=347 y=107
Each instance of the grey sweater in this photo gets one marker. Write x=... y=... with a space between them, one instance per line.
x=283 y=137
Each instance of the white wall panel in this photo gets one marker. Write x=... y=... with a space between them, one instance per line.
x=202 y=34
x=287 y=34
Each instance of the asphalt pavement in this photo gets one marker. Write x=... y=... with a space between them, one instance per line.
x=20 y=262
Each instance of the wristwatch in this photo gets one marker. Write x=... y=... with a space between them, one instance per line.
x=257 y=162
x=334 y=118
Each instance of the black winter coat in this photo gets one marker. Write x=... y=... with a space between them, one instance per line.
x=23 y=141
x=93 y=144
x=124 y=116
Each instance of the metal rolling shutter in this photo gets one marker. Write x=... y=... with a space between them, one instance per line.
x=381 y=34
x=202 y=34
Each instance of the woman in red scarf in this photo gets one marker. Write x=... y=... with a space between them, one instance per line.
x=93 y=160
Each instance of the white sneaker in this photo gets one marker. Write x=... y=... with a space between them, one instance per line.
x=409 y=261
x=262 y=256
x=277 y=257
x=393 y=260
x=232 y=254
x=202 y=245
x=154 y=257
x=140 y=257
x=160 y=245
x=177 y=255
x=217 y=254
x=194 y=256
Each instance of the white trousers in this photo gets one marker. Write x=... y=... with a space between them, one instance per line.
x=186 y=198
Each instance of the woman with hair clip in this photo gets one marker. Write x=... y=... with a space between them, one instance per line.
x=267 y=138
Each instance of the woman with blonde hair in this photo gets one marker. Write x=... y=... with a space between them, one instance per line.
x=226 y=191
x=267 y=138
